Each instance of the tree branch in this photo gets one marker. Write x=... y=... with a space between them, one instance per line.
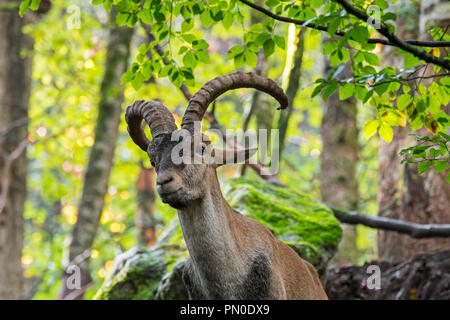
x=392 y=40
x=414 y=230
x=384 y=30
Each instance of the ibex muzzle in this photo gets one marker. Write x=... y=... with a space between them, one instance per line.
x=231 y=256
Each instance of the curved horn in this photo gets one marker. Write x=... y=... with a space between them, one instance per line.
x=157 y=116
x=199 y=103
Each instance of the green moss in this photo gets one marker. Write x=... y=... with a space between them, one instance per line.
x=137 y=274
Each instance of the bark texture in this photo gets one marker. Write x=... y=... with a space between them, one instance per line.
x=402 y=193
x=424 y=277
x=339 y=185
x=101 y=158
x=15 y=86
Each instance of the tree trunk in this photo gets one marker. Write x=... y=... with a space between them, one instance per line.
x=15 y=86
x=291 y=91
x=339 y=185
x=144 y=219
x=402 y=193
x=100 y=162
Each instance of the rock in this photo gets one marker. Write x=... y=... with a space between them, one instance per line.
x=148 y=274
x=308 y=226
x=424 y=277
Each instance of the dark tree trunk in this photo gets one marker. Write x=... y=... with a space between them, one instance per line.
x=15 y=86
x=402 y=193
x=100 y=160
x=339 y=184
x=144 y=219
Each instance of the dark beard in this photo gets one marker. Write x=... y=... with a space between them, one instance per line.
x=177 y=204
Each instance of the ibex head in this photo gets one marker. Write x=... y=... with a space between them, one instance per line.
x=183 y=177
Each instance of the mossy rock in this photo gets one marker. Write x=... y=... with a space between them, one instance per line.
x=148 y=274
x=306 y=225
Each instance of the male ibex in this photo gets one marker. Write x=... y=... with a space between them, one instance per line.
x=231 y=255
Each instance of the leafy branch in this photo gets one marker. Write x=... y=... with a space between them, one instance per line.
x=392 y=40
x=430 y=152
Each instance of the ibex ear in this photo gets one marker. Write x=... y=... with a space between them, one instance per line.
x=230 y=156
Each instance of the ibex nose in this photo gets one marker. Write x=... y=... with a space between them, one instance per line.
x=163 y=179
x=168 y=182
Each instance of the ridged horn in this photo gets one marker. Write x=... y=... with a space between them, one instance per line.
x=157 y=116
x=200 y=101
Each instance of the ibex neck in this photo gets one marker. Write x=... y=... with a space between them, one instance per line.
x=210 y=237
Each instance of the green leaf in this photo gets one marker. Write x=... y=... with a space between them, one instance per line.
x=333 y=26
x=360 y=92
x=389 y=16
x=370 y=128
x=137 y=81
x=403 y=101
x=269 y=47
x=165 y=71
x=448 y=177
x=200 y=44
x=239 y=60
x=272 y=3
x=234 y=51
x=411 y=61
x=279 y=41
x=121 y=18
x=329 y=47
x=190 y=60
x=227 y=20
x=316 y=4
x=440 y=166
x=423 y=166
x=123 y=6
x=346 y=91
x=202 y=56
x=127 y=76
x=381 y=88
x=250 y=58
x=24 y=5
x=372 y=58
x=329 y=91
x=206 y=19
x=386 y=133
x=381 y=3
x=182 y=50
x=187 y=25
x=360 y=34
x=317 y=90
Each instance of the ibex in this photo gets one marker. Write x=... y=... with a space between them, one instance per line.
x=231 y=256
